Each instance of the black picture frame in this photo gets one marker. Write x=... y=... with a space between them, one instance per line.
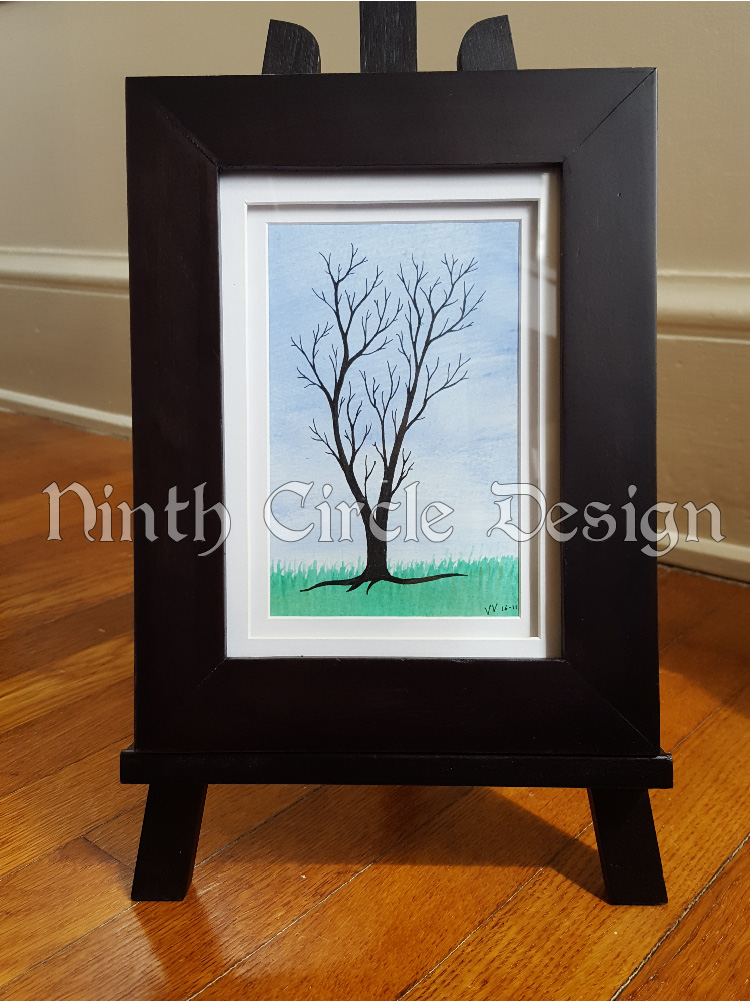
x=589 y=718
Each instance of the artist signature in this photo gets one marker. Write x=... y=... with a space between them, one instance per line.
x=497 y=607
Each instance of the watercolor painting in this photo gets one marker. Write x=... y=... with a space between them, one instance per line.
x=393 y=405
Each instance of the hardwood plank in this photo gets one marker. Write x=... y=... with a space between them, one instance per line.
x=230 y=812
x=36 y=469
x=715 y=650
x=240 y=898
x=32 y=649
x=371 y=916
x=685 y=598
x=544 y=941
x=40 y=451
x=45 y=580
x=24 y=435
x=34 y=693
x=50 y=903
x=58 y=738
x=706 y=667
x=390 y=926
x=62 y=806
x=716 y=929
x=16 y=426
x=42 y=580
x=28 y=513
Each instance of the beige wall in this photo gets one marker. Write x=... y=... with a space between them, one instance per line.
x=63 y=276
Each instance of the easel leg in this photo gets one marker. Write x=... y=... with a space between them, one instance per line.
x=628 y=849
x=169 y=839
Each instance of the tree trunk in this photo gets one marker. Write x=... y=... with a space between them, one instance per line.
x=377 y=545
x=377 y=551
x=377 y=556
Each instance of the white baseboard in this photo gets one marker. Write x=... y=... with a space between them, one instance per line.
x=39 y=267
x=88 y=418
x=64 y=350
x=710 y=304
x=722 y=559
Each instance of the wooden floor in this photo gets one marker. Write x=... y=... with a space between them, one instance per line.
x=320 y=892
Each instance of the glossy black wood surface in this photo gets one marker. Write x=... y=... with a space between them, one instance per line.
x=558 y=770
x=388 y=36
x=487 y=45
x=403 y=705
x=598 y=128
x=628 y=849
x=428 y=121
x=290 y=48
x=169 y=839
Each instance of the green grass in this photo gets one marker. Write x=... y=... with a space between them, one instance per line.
x=490 y=587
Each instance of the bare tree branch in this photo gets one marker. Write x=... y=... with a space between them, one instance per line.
x=435 y=309
x=430 y=310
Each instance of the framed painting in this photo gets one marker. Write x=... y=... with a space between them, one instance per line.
x=380 y=408
x=401 y=330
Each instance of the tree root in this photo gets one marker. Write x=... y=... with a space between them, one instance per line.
x=353 y=583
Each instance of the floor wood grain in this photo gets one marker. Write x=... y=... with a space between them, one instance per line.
x=706 y=955
x=335 y=892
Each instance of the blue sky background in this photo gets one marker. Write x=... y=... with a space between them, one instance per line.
x=468 y=437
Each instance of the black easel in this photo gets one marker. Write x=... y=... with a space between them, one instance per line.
x=620 y=803
x=388 y=43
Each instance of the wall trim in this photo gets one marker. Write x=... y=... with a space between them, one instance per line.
x=101 y=421
x=65 y=270
x=722 y=559
x=708 y=303
x=712 y=299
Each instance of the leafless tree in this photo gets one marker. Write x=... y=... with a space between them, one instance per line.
x=368 y=416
